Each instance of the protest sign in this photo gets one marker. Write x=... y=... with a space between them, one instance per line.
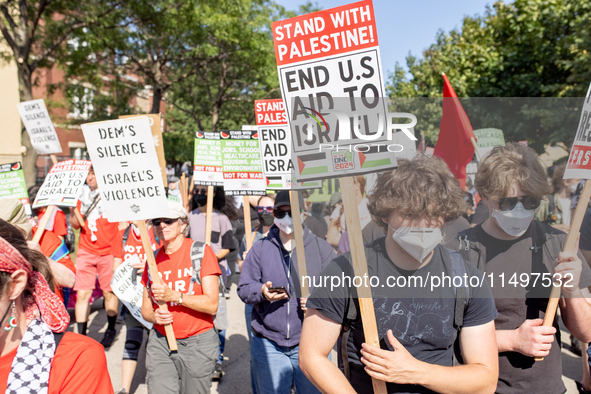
x=275 y=144
x=156 y=126
x=63 y=183
x=39 y=126
x=488 y=139
x=128 y=290
x=578 y=166
x=13 y=185
x=331 y=81
x=126 y=167
x=241 y=159
x=207 y=166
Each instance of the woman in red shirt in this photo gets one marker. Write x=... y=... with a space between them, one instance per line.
x=190 y=310
x=33 y=359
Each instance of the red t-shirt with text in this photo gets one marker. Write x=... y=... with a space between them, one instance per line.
x=79 y=366
x=133 y=245
x=105 y=234
x=175 y=270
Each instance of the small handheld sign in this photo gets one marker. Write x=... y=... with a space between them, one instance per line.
x=13 y=185
x=128 y=176
x=39 y=126
x=63 y=183
x=578 y=166
x=129 y=290
x=207 y=164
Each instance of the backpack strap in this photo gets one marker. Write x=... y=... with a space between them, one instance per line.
x=350 y=316
x=458 y=268
x=126 y=236
x=469 y=248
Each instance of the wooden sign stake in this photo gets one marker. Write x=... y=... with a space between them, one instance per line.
x=156 y=279
x=569 y=246
x=368 y=316
x=247 y=224
x=209 y=213
x=43 y=223
x=183 y=191
x=298 y=232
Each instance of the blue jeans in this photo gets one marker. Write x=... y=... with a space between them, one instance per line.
x=222 y=337
x=275 y=368
x=248 y=317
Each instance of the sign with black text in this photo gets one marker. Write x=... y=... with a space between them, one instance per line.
x=130 y=290
x=331 y=81
x=63 y=183
x=207 y=165
x=127 y=170
x=39 y=126
x=241 y=158
x=579 y=161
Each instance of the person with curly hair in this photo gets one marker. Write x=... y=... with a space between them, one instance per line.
x=418 y=327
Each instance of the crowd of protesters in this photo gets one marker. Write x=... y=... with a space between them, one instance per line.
x=416 y=221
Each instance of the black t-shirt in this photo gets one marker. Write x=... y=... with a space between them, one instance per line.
x=585 y=241
x=422 y=320
x=533 y=254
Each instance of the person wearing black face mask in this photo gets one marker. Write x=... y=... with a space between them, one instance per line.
x=222 y=239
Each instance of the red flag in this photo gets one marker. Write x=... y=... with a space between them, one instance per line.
x=454 y=145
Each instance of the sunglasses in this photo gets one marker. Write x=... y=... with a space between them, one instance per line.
x=508 y=203
x=280 y=213
x=261 y=209
x=168 y=222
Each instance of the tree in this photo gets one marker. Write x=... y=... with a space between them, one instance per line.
x=530 y=48
x=34 y=32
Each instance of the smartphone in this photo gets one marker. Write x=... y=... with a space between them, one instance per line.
x=279 y=289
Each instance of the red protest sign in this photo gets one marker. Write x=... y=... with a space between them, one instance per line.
x=325 y=33
x=270 y=112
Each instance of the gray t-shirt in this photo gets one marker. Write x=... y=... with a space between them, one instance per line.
x=422 y=320
x=527 y=257
x=221 y=233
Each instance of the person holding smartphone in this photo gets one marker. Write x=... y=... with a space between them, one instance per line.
x=270 y=281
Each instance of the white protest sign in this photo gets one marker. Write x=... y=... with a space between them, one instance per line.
x=39 y=126
x=127 y=170
x=207 y=165
x=241 y=159
x=63 y=183
x=129 y=293
x=488 y=139
x=331 y=81
x=579 y=161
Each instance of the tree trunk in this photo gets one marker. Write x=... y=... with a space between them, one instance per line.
x=25 y=89
x=215 y=116
x=156 y=99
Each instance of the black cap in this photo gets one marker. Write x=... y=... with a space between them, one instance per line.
x=282 y=199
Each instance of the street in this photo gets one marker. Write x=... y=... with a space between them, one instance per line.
x=237 y=355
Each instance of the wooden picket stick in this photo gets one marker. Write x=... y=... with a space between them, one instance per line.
x=247 y=224
x=475 y=145
x=183 y=191
x=43 y=223
x=569 y=246
x=209 y=213
x=298 y=232
x=368 y=316
x=156 y=280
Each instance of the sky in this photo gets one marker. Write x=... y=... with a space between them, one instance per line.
x=409 y=25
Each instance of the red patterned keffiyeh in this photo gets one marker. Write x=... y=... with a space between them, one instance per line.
x=45 y=301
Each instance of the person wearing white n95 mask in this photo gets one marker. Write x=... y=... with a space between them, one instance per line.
x=516 y=221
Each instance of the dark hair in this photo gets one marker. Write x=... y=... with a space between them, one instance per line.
x=38 y=261
x=557 y=181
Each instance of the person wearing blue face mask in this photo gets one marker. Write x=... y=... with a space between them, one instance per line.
x=520 y=256
x=420 y=322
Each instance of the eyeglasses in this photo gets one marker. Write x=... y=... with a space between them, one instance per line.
x=261 y=209
x=280 y=213
x=508 y=203
x=168 y=222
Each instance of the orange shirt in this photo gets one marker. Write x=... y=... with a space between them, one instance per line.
x=79 y=366
x=175 y=270
x=105 y=234
x=132 y=246
x=60 y=226
x=49 y=242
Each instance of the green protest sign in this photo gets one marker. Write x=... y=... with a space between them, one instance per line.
x=13 y=185
x=488 y=139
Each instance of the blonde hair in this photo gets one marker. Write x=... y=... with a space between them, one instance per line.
x=506 y=165
x=423 y=185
